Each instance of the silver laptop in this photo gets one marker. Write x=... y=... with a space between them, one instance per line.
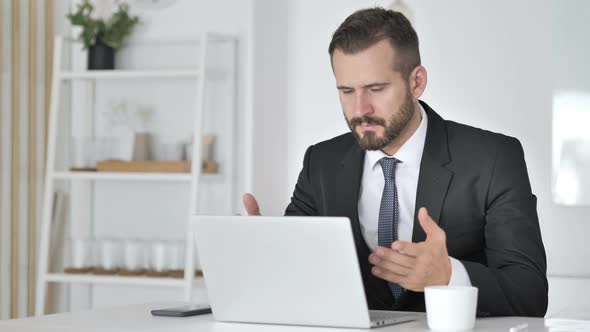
x=285 y=270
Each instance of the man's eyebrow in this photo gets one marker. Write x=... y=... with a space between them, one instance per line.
x=376 y=85
x=366 y=86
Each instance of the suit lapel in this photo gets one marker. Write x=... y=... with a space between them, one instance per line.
x=348 y=186
x=434 y=178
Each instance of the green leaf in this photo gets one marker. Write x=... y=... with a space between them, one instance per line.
x=112 y=32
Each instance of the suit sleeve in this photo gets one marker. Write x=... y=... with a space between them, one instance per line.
x=303 y=201
x=514 y=282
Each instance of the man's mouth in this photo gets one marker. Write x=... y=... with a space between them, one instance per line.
x=366 y=126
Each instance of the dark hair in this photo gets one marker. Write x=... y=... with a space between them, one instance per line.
x=366 y=27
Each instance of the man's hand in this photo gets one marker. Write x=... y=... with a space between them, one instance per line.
x=251 y=205
x=415 y=265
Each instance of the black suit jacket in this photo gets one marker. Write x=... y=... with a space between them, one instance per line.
x=475 y=186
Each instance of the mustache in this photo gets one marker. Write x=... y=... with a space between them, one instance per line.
x=366 y=120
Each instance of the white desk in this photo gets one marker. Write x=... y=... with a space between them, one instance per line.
x=138 y=318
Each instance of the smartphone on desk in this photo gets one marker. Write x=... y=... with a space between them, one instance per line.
x=183 y=311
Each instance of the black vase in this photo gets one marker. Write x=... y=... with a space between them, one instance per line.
x=101 y=56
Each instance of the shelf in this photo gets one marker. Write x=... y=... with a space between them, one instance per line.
x=115 y=280
x=164 y=177
x=128 y=176
x=117 y=74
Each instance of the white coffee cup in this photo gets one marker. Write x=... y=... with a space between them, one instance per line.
x=450 y=308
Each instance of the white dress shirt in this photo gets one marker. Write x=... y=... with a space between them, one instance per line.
x=406 y=180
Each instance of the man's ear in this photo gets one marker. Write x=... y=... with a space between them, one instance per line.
x=418 y=80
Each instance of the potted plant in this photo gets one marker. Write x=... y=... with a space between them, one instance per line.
x=102 y=35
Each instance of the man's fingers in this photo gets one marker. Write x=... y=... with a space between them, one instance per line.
x=251 y=205
x=387 y=275
x=394 y=257
x=389 y=265
x=426 y=222
x=407 y=248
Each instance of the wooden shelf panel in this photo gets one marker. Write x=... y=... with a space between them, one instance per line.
x=119 y=74
x=115 y=280
x=128 y=176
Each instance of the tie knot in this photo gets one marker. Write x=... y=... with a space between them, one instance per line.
x=388 y=166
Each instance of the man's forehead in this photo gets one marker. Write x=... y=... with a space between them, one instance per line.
x=362 y=69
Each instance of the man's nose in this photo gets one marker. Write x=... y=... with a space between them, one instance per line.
x=362 y=105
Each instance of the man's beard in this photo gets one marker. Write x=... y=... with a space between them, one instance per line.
x=397 y=123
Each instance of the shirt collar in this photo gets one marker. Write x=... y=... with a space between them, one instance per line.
x=410 y=153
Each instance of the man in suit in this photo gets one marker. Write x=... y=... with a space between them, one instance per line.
x=431 y=202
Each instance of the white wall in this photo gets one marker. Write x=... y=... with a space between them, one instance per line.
x=489 y=65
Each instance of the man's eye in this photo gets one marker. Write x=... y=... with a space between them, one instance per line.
x=346 y=92
x=377 y=89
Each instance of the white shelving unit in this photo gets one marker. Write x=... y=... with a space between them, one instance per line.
x=194 y=178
